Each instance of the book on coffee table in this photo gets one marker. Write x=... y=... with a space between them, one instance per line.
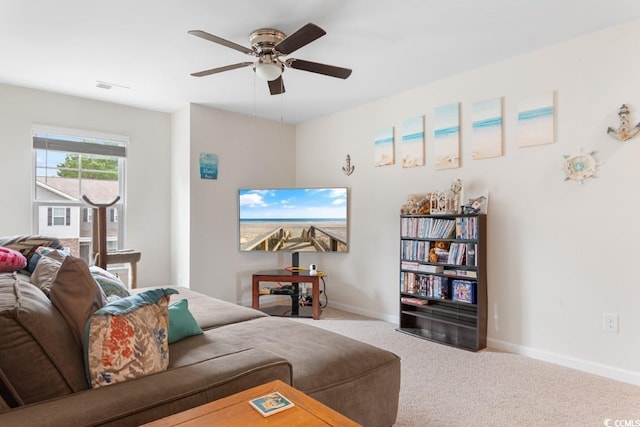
x=271 y=403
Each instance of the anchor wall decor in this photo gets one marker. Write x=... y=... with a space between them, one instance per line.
x=623 y=132
x=349 y=168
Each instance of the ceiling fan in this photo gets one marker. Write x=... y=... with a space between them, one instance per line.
x=270 y=46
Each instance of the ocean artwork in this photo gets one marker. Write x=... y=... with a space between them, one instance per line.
x=536 y=120
x=486 y=130
x=383 y=147
x=446 y=133
x=208 y=166
x=413 y=142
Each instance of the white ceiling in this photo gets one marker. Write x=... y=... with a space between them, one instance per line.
x=67 y=45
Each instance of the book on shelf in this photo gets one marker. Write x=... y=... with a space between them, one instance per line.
x=461 y=273
x=442 y=255
x=456 y=253
x=463 y=291
x=467 y=227
x=424 y=285
x=428 y=228
x=414 y=301
x=471 y=254
x=419 y=267
x=416 y=250
x=409 y=265
x=429 y=268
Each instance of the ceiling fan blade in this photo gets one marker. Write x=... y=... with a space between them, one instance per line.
x=221 y=69
x=223 y=42
x=276 y=87
x=315 y=67
x=302 y=37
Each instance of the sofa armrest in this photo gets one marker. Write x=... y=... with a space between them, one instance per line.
x=155 y=396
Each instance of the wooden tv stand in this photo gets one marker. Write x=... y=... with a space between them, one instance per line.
x=288 y=277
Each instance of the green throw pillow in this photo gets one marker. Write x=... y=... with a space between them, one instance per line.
x=181 y=322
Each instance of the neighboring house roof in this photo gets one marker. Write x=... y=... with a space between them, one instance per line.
x=99 y=191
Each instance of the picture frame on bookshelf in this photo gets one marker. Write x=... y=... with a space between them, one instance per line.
x=463 y=291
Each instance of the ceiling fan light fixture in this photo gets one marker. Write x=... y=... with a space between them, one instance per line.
x=268 y=70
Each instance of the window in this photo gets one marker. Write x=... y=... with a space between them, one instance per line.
x=68 y=165
x=87 y=214
x=59 y=216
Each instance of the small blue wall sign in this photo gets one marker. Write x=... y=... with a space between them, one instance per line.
x=208 y=166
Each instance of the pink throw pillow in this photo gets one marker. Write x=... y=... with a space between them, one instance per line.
x=11 y=260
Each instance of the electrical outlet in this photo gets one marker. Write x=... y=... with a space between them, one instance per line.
x=610 y=322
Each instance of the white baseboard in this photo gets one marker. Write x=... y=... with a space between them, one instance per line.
x=568 y=362
x=372 y=314
x=558 y=359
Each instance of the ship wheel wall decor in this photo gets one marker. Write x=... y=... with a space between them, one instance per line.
x=580 y=167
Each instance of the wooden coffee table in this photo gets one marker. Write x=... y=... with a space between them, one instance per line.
x=235 y=410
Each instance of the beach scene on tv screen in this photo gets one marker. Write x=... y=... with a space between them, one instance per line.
x=293 y=219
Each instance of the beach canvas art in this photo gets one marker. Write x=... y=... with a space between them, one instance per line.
x=383 y=147
x=486 y=138
x=413 y=142
x=446 y=132
x=536 y=120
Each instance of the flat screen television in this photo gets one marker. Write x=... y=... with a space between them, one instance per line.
x=293 y=219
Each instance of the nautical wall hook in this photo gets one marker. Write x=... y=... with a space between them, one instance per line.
x=349 y=168
x=623 y=132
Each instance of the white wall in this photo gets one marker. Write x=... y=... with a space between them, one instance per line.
x=252 y=153
x=180 y=196
x=147 y=170
x=560 y=253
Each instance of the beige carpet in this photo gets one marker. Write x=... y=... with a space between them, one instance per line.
x=443 y=386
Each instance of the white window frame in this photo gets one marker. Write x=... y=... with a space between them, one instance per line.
x=78 y=133
x=64 y=216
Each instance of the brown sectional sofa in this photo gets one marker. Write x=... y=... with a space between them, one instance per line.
x=42 y=375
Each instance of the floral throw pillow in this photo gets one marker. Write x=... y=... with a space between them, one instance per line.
x=128 y=338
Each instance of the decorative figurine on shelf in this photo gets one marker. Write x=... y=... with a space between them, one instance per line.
x=580 y=167
x=439 y=252
x=474 y=206
x=349 y=168
x=623 y=132
x=446 y=202
x=415 y=205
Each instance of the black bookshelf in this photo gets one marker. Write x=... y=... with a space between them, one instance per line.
x=444 y=298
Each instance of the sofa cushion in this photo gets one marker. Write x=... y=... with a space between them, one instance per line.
x=11 y=260
x=182 y=324
x=211 y=312
x=76 y=294
x=39 y=357
x=127 y=338
x=45 y=273
x=42 y=251
x=343 y=373
x=111 y=285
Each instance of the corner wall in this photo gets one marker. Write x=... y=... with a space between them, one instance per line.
x=559 y=252
x=252 y=153
x=180 y=197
